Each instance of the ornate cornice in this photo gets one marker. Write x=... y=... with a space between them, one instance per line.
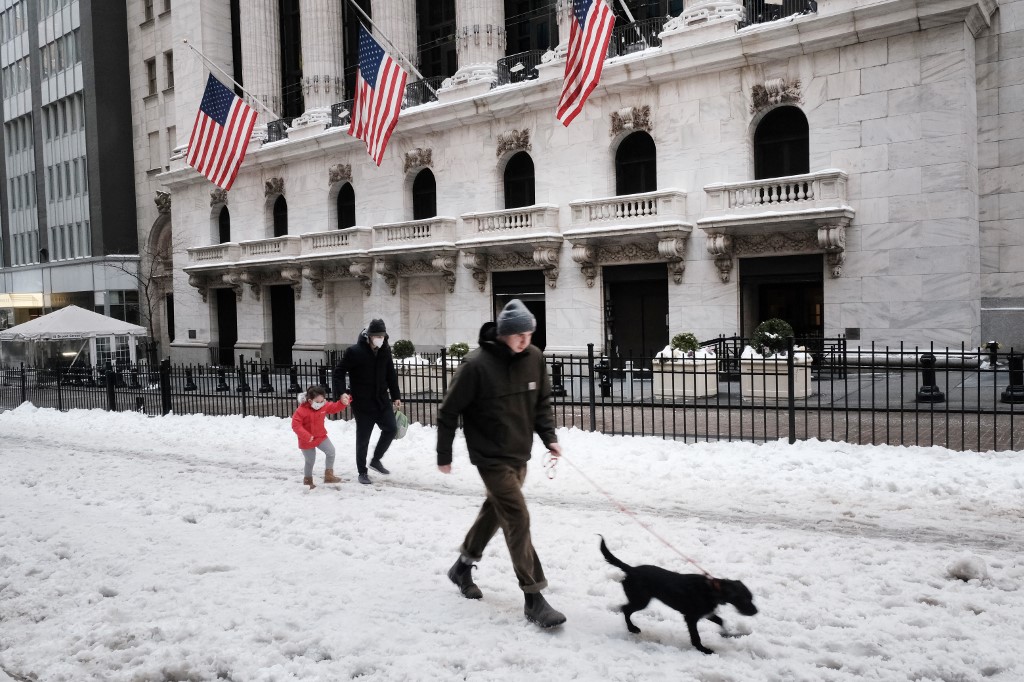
x=631 y=119
x=418 y=158
x=339 y=172
x=514 y=141
x=386 y=270
x=294 y=277
x=774 y=91
x=273 y=187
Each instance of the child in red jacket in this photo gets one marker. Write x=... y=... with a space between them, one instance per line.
x=308 y=425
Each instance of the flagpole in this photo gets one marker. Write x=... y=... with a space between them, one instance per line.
x=405 y=59
x=206 y=60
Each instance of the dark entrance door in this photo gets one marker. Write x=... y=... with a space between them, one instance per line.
x=528 y=287
x=790 y=288
x=282 y=322
x=227 y=327
x=636 y=313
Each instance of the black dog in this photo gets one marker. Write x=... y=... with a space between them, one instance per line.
x=694 y=596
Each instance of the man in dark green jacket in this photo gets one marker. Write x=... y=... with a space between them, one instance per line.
x=503 y=393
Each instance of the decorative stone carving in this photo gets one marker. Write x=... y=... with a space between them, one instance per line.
x=255 y=280
x=294 y=277
x=514 y=141
x=339 y=172
x=774 y=91
x=363 y=271
x=673 y=250
x=445 y=264
x=387 y=271
x=477 y=263
x=200 y=283
x=418 y=158
x=720 y=246
x=218 y=196
x=776 y=243
x=233 y=280
x=630 y=119
x=513 y=260
x=547 y=258
x=163 y=202
x=704 y=12
x=316 y=277
x=586 y=257
x=832 y=238
x=273 y=187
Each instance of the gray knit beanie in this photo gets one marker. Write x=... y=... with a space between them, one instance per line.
x=515 y=318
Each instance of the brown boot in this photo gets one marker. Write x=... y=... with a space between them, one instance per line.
x=308 y=480
x=329 y=476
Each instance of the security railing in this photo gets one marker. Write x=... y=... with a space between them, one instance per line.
x=794 y=192
x=528 y=219
x=764 y=11
x=519 y=67
x=278 y=130
x=421 y=92
x=640 y=35
x=341 y=113
x=414 y=232
x=959 y=398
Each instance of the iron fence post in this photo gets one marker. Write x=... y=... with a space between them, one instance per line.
x=243 y=385
x=109 y=381
x=60 y=396
x=24 y=387
x=791 y=386
x=444 y=372
x=165 y=386
x=590 y=374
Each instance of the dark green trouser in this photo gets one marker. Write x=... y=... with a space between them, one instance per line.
x=505 y=508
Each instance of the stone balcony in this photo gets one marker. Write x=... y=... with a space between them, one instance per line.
x=634 y=228
x=778 y=216
x=413 y=248
x=512 y=239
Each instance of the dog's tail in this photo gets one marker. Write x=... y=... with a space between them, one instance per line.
x=611 y=558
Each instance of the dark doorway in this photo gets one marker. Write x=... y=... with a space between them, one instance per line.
x=530 y=25
x=790 y=288
x=282 y=323
x=346 y=207
x=636 y=313
x=781 y=145
x=169 y=310
x=280 y=217
x=519 y=181
x=424 y=195
x=224 y=225
x=528 y=287
x=636 y=165
x=227 y=326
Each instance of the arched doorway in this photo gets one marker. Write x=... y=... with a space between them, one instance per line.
x=224 y=225
x=280 y=217
x=346 y=206
x=781 y=145
x=519 y=181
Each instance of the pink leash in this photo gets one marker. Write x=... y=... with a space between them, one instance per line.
x=552 y=462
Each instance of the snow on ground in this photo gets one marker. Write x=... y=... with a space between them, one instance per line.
x=185 y=548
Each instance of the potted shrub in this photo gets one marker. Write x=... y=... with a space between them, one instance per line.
x=763 y=365
x=684 y=370
x=456 y=352
x=414 y=373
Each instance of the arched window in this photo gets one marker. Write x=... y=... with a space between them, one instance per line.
x=636 y=165
x=424 y=195
x=224 y=225
x=346 y=206
x=519 y=181
x=280 y=217
x=780 y=144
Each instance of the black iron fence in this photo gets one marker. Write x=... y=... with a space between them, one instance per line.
x=421 y=92
x=763 y=11
x=519 y=67
x=634 y=37
x=962 y=399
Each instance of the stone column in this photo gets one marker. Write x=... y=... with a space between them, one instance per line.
x=397 y=19
x=563 y=10
x=322 y=60
x=261 y=57
x=480 y=41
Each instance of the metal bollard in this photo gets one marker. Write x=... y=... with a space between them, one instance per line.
x=557 y=385
x=222 y=380
x=265 y=385
x=243 y=381
x=1014 y=393
x=140 y=404
x=190 y=382
x=293 y=377
x=929 y=391
x=604 y=372
x=134 y=379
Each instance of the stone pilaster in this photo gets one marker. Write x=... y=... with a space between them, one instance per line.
x=322 y=61
x=397 y=19
x=261 y=57
x=480 y=41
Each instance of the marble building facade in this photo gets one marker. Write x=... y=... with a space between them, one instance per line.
x=907 y=221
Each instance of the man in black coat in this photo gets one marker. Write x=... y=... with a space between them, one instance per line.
x=373 y=387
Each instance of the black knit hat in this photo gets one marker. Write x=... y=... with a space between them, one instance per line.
x=516 y=318
x=376 y=328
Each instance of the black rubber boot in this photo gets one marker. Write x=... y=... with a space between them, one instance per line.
x=538 y=611
x=461 y=575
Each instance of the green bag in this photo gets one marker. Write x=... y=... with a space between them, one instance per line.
x=403 y=424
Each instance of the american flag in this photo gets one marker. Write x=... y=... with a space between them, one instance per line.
x=380 y=86
x=220 y=135
x=589 y=33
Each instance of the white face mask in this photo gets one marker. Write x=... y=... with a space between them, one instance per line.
x=317 y=405
x=376 y=341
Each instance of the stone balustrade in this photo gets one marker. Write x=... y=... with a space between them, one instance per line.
x=512 y=222
x=218 y=253
x=414 y=233
x=663 y=205
x=822 y=189
x=277 y=247
x=334 y=241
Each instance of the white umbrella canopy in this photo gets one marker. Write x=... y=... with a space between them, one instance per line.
x=70 y=332
x=71 y=322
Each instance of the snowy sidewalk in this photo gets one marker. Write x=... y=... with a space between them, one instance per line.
x=134 y=548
